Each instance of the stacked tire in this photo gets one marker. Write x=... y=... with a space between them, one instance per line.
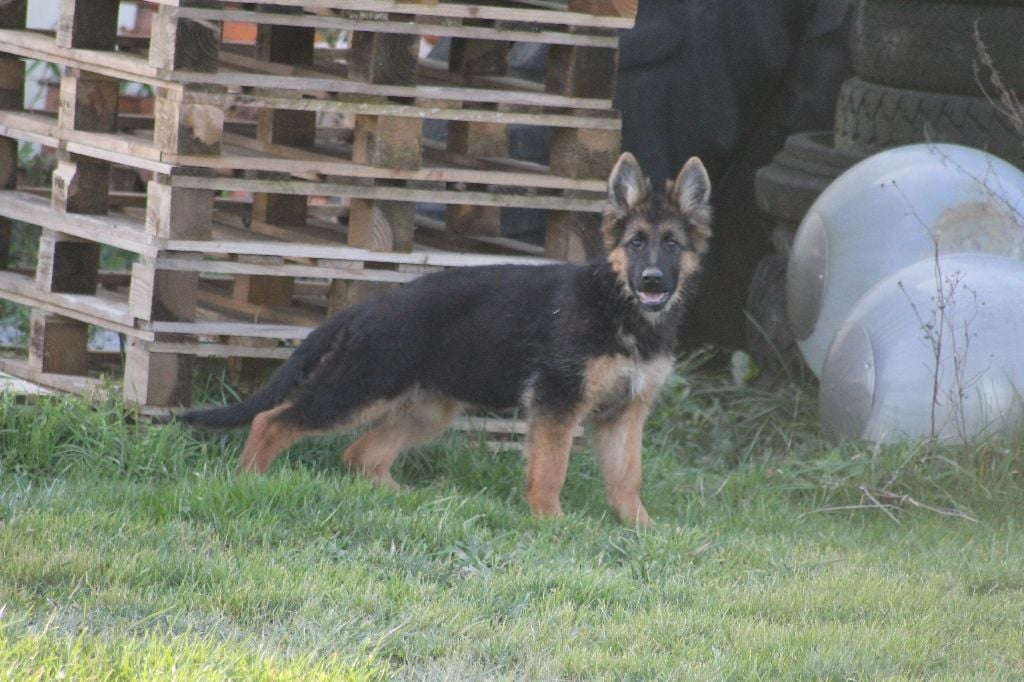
x=924 y=71
x=934 y=71
x=785 y=189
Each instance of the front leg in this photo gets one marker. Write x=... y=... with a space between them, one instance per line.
x=619 y=441
x=549 y=441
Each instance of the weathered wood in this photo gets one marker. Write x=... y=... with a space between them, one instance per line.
x=383 y=58
x=57 y=344
x=474 y=58
x=220 y=350
x=499 y=197
x=88 y=101
x=440 y=110
x=558 y=17
x=66 y=264
x=175 y=212
x=614 y=8
x=587 y=72
x=90 y=24
x=8 y=163
x=345 y=253
x=381 y=225
x=132 y=67
x=12 y=82
x=476 y=30
x=106 y=309
x=584 y=154
x=384 y=141
x=177 y=42
x=67 y=383
x=153 y=378
x=572 y=236
x=14 y=14
x=81 y=184
x=291 y=45
x=184 y=128
x=121 y=232
x=219 y=328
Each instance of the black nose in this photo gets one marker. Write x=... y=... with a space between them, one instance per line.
x=651 y=277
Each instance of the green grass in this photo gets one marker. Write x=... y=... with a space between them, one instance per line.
x=133 y=552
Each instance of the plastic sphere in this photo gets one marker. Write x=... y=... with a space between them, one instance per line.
x=933 y=350
x=888 y=211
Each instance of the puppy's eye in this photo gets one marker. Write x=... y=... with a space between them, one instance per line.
x=637 y=242
x=671 y=244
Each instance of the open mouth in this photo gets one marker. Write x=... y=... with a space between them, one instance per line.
x=653 y=299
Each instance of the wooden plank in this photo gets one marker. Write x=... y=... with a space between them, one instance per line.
x=281 y=270
x=282 y=159
x=57 y=344
x=179 y=42
x=291 y=45
x=117 y=149
x=120 y=232
x=221 y=350
x=11 y=384
x=105 y=309
x=122 y=65
x=454 y=196
x=126 y=66
x=88 y=24
x=344 y=86
x=451 y=9
x=221 y=328
x=378 y=107
x=211 y=301
x=78 y=385
x=412 y=26
x=346 y=253
x=110 y=147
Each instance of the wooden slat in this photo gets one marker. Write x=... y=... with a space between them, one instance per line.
x=133 y=152
x=120 y=232
x=282 y=270
x=105 y=309
x=44 y=130
x=220 y=350
x=598 y=119
x=446 y=196
x=412 y=26
x=68 y=383
x=131 y=67
x=123 y=65
x=454 y=10
x=12 y=384
x=325 y=252
x=222 y=328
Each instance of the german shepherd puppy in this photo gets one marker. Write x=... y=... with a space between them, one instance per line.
x=563 y=342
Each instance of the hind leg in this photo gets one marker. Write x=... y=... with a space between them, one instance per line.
x=406 y=425
x=268 y=436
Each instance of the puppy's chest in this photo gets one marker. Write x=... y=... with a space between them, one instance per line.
x=613 y=382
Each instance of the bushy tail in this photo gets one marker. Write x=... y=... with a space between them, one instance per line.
x=277 y=389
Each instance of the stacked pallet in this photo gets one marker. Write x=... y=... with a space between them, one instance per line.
x=283 y=179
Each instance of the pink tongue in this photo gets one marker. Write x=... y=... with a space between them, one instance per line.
x=652 y=297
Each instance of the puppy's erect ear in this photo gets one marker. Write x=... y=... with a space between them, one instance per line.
x=692 y=194
x=627 y=186
x=692 y=189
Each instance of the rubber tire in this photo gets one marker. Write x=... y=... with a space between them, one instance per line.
x=923 y=45
x=769 y=339
x=872 y=117
x=806 y=165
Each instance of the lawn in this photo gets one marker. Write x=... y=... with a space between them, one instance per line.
x=133 y=552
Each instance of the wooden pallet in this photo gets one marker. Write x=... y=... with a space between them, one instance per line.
x=250 y=231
